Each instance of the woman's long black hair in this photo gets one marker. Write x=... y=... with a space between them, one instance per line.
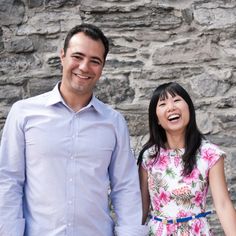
x=157 y=138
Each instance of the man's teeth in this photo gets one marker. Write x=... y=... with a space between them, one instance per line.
x=81 y=76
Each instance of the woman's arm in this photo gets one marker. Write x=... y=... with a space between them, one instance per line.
x=143 y=177
x=223 y=204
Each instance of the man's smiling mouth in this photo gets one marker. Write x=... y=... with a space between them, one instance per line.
x=81 y=76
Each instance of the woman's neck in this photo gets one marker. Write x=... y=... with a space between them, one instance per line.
x=175 y=141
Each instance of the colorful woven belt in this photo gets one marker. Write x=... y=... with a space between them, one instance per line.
x=182 y=219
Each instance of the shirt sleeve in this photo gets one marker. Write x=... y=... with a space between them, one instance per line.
x=141 y=230
x=125 y=188
x=12 y=176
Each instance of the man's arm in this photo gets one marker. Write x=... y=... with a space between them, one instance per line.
x=125 y=187
x=12 y=176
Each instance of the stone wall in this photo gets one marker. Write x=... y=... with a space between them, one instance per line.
x=152 y=41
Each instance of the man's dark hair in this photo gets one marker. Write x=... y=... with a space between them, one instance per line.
x=91 y=31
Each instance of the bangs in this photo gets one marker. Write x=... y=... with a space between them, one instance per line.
x=171 y=91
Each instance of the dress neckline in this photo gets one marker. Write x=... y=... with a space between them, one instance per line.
x=176 y=151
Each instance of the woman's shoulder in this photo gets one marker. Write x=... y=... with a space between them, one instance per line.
x=210 y=153
x=149 y=152
x=208 y=145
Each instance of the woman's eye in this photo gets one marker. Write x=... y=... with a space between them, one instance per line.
x=177 y=100
x=161 y=104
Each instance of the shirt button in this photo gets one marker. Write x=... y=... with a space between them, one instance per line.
x=69 y=224
x=70 y=202
x=70 y=179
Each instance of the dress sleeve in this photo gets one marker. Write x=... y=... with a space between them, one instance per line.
x=144 y=161
x=212 y=153
x=147 y=161
x=12 y=176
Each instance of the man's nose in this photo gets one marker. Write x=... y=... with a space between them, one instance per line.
x=84 y=65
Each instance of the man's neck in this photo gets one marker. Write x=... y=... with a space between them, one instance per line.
x=74 y=100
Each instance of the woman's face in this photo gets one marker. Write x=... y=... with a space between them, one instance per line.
x=173 y=114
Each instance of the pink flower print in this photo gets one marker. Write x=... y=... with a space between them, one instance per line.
x=171 y=228
x=164 y=152
x=182 y=214
x=162 y=162
x=164 y=196
x=181 y=191
x=176 y=161
x=148 y=165
x=185 y=234
x=198 y=198
x=159 y=230
x=151 y=183
x=205 y=191
x=209 y=156
x=192 y=177
x=196 y=227
x=156 y=202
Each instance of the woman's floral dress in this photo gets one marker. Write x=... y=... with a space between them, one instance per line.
x=173 y=195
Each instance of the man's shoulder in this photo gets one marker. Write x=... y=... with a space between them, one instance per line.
x=108 y=109
x=41 y=98
x=30 y=102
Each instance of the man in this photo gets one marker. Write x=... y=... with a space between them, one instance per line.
x=60 y=152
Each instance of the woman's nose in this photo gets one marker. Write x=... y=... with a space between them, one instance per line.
x=171 y=106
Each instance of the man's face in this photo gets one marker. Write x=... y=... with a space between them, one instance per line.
x=82 y=65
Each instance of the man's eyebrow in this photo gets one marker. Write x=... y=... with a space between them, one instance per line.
x=83 y=55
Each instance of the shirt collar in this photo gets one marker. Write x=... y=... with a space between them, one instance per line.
x=97 y=105
x=55 y=97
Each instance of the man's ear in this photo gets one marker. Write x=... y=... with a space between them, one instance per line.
x=62 y=55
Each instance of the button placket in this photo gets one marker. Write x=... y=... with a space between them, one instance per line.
x=71 y=178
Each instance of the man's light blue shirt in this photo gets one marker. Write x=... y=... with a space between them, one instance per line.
x=56 y=166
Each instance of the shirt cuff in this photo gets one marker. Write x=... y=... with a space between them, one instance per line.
x=12 y=228
x=137 y=230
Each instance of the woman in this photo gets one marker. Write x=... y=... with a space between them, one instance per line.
x=176 y=166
